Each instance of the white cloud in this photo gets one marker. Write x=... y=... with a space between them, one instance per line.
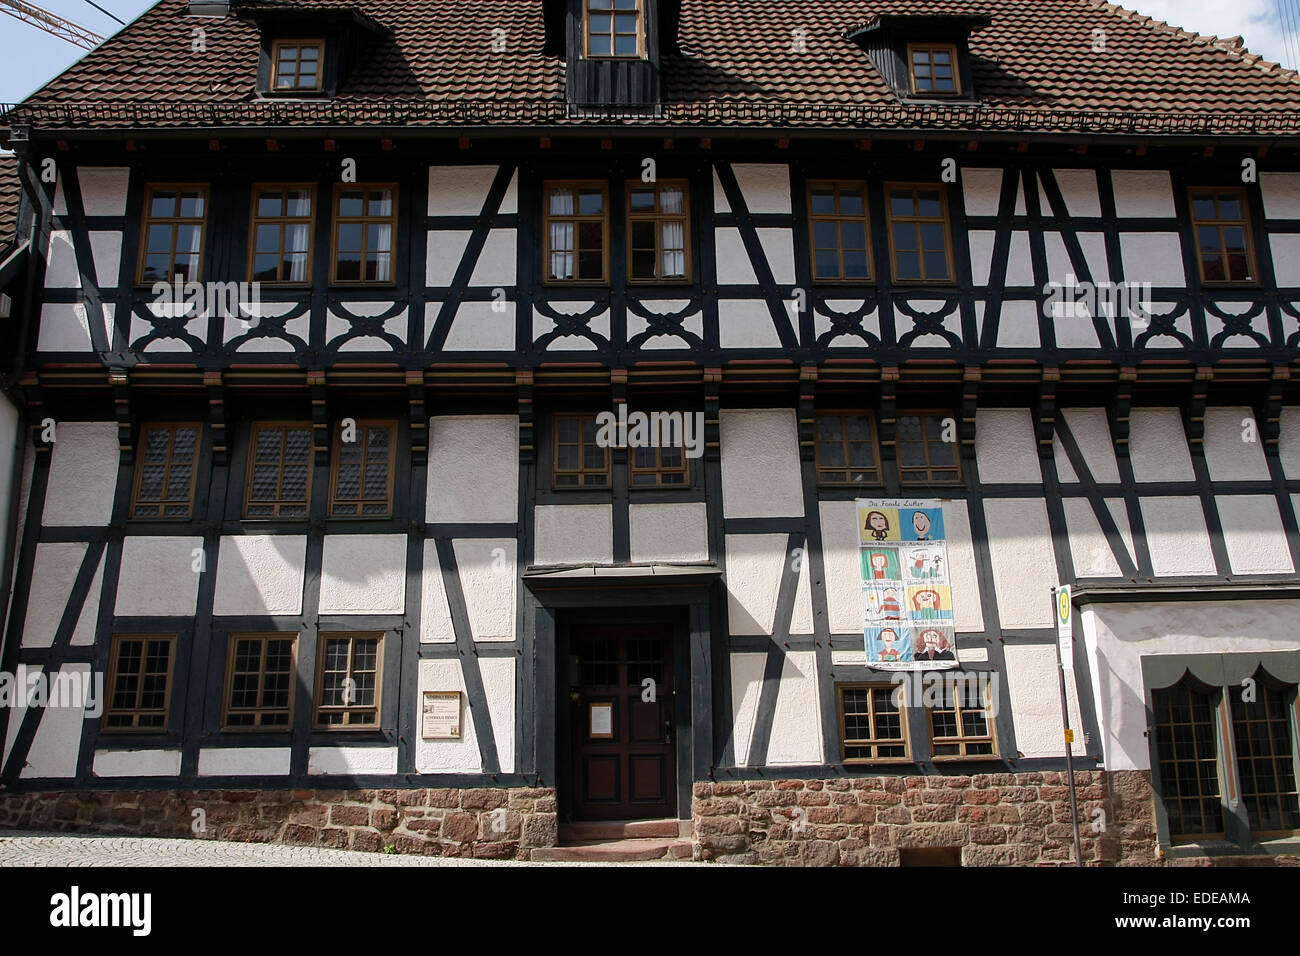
x=1255 y=20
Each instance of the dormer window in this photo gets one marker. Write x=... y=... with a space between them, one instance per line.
x=934 y=69
x=296 y=65
x=614 y=28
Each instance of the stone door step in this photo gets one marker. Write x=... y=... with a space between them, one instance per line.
x=616 y=851
x=593 y=831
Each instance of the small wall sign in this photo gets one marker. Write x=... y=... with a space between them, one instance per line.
x=600 y=721
x=441 y=715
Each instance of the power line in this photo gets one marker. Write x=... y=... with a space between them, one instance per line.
x=34 y=16
x=1289 y=21
x=105 y=12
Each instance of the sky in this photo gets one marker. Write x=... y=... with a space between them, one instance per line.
x=29 y=57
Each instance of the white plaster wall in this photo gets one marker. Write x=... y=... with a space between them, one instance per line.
x=1177 y=536
x=1024 y=565
x=669 y=532
x=1079 y=190
x=158 y=577
x=1289 y=442
x=732 y=260
x=83 y=474
x=57 y=741
x=843 y=572
x=462 y=756
x=765 y=186
x=1089 y=550
x=353 y=761
x=801 y=617
x=53 y=575
x=487 y=580
x=981 y=254
x=574 y=534
x=64 y=328
x=473 y=469
x=1118 y=636
x=746 y=324
x=496 y=263
x=778 y=249
x=1281 y=192
x=1059 y=264
x=1020 y=262
x=1091 y=430
x=754 y=565
x=760 y=463
x=1154 y=257
x=244 y=761
x=1286 y=258
x=968 y=610
x=137 y=763
x=981 y=189
x=1034 y=682
x=459 y=190
x=363 y=574
x=1228 y=455
x=260 y=574
x=61 y=262
x=796 y=725
x=1006 y=448
x=1158 y=446
x=1018 y=325
x=1118 y=509
x=106 y=252
x=1142 y=193
x=746 y=687
x=477 y=327
x=444 y=248
x=435 y=613
x=1253 y=534
x=103 y=189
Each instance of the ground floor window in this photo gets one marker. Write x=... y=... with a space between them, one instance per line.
x=140 y=678
x=348 y=681
x=873 y=725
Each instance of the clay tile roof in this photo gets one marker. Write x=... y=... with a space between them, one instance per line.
x=1034 y=70
x=9 y=190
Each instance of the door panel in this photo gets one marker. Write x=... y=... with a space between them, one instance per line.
x=631 y=773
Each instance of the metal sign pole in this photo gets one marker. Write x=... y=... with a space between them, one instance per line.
x=1065 y=718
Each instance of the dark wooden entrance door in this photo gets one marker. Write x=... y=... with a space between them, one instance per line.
x=624 y=761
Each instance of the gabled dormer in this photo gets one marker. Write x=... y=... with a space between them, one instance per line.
x=612 y=49
x=307 y=53
x=924 y=58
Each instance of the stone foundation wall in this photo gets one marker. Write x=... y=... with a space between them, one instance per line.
x=485 y=823
x=1008 y=819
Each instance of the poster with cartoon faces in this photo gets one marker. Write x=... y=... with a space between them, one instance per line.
x=907 y=608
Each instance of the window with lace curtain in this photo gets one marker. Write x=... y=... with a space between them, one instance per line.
x=658 y=232
x=576 y=232
x=280 y=249
x=365 y=219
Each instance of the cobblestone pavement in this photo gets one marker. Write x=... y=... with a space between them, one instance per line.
x=22 y=848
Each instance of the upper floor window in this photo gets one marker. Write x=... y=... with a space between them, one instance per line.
x=1223 y=244
x=174 y=221
x=840 y=230
x=658 y=232
x=580 y=460
x=296 y=65
x=614 y=28
x=919 y=242
x=933 y=68
x=139 y=681
x=846 y=449
x=365 y=221
x=577 y=232
x=362 y=485
x=927 y=447
x=663 y=466
x=281 y=244
x=165 y=471
x=278 y=484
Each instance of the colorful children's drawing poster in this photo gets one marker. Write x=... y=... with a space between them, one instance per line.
x=907 y=612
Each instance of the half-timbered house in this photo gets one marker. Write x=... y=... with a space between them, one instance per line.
x=319 y=314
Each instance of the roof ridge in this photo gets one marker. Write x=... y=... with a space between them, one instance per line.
x=1226 y=44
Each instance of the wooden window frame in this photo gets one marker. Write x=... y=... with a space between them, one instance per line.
x=336 y=460
x=946 y=220
x=278 y=503
x=352 y=637
x=300 y=45
x=931 y=49
x=1289 y=695
x=575 y=218
x=1252 y=260
x=136 y=712
x=1220 y=727
x=255 y=220
x=659 y=470
x=174 y=221
x=364 y=220
x=960 y=708
x=582 y=471
x=874 y=743
x=842 y=413
x=259 y=712
x=658 y=218
x=907 y=473
x=838 y=218
x=163 y=503
x=640 y=14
